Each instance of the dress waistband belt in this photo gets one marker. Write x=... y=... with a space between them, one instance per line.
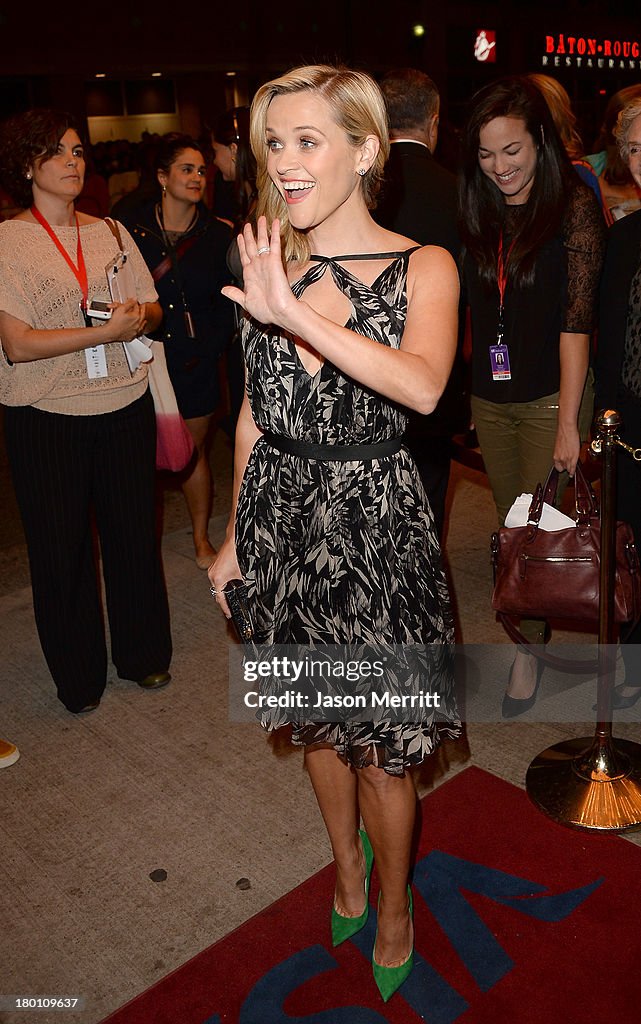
x=334 y=452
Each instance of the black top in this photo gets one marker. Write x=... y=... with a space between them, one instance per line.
x=562 y=299
x=202 y=272
x=621 y=263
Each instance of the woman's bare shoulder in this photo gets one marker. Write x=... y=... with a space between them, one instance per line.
x=432 y=271
x=433 y=257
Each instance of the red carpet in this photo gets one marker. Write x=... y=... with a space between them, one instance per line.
x=518 y=921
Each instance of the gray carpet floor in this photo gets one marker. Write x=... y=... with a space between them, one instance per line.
x=125 y=833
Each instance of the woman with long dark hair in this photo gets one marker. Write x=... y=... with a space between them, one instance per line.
x=185 y=248
x=534 y=238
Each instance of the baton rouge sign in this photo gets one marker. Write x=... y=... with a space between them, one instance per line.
x=565 y=51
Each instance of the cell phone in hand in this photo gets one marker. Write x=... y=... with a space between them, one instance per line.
x=99 y=310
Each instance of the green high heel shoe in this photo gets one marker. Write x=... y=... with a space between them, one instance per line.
x=389 y=979
x=344 y=927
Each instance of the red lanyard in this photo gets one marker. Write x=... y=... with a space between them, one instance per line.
x=501 y=268
x=80 y=271
x=501 y=280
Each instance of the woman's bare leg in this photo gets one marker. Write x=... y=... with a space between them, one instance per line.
x=388 y=807
x=335 y=787
x=522 y=679
x=197 y=488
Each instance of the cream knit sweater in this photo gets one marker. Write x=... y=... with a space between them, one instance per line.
x=37 y=287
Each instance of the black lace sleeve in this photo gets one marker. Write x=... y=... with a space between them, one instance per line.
x=584 y=235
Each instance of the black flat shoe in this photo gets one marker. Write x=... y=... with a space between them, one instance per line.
x=512 y=707
x=154 y=681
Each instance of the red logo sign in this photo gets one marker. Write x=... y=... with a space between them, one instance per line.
x=591 y=52
x=485 y=46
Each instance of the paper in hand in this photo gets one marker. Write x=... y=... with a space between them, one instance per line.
x=122 y=287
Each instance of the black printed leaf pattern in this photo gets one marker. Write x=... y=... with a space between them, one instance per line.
x=341 y=553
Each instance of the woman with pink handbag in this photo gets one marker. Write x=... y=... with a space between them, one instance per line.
x=79 y=426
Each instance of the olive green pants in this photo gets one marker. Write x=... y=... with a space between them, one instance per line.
x=517 y=444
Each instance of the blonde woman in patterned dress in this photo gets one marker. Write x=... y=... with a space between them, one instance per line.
x=330 y=526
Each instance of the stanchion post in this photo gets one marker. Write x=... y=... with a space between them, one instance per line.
x=589 y=783
x=601 y=757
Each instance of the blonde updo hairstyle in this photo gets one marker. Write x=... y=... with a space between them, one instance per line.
x=622 y=128
x=356 y=104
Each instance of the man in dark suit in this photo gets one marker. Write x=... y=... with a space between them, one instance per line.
x=419 y=201
x=419 y=196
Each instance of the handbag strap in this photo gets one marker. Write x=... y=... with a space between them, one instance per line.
x=585 y=500
x=165 y=265
x=178 y=252
x=586 y=503
x=114 y=227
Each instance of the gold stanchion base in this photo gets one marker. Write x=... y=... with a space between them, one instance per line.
x=559 y=784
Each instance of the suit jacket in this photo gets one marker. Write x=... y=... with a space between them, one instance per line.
x=419 y=198
x=621 y=262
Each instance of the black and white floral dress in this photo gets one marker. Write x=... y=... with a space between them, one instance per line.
x=341 y=552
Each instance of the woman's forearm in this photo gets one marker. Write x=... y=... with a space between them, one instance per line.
x=405 y=377
x=574 y=354
x=413 y=375
x=574 y=350
x=24 y=344
x=153 y=316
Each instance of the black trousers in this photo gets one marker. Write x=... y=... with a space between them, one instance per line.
x=64 y=468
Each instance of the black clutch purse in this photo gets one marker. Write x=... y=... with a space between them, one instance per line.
x=235 y=592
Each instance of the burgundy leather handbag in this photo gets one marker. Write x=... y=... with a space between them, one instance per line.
x=541 y=574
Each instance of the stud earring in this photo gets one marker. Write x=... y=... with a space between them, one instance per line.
x=28 y=175
x=362 y=172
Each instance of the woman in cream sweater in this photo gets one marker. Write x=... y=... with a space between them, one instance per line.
x=79 y=426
